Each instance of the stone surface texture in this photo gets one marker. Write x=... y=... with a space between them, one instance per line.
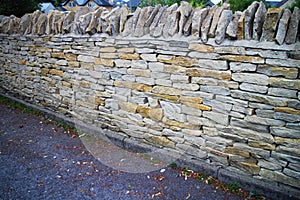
x=235 y=104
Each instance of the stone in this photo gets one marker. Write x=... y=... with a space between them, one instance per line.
x=144 y=15
x=40 y=27
x=282 y=26
x=222 y=75
x=215 y=19
x=185 y=11
x=152 y=15
x=123 y=18
x=219 y=118
x=293 y=27
x=241 y=27
x=280 y=92
x=287 y=117
x=285 y=83
x=287 y=110
x=172 y=111
x=278 y=177
x=252 y=126
x=94 y=23
x=259 y=79
x=284 y=62
x=201 y=47
x=264 y=121
x=248 y=59
x=294 y=104
x=171 y=26
x=270 y=24
x=161 y=140
x=232 y=27
x=249 y=19
x=222 y=25
x=177 y=60
x=156 y=114
x=258 y=22
x=253 y=88
x=206 y=23
x=159 y=21
x=270 y=100
x=68 y=22
x=188 y=25
x=166 y=90
x=25 y=24
x=215 y=90
x=188 y=149
x=197 y=19
x=270 y=70
x=81 y=11
x=242 y=67
x=131 y=23
x=130 y=56
x=213 y=64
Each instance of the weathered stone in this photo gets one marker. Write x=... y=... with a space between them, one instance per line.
x=284 y=62
x=215 y=19
x=276 y=101
x=25 y=24
x=152 y=15
x=252 y=126
x=172 y=111
x=258 y=22
x=206 y=23
x=284 y=83
x=287 y=110
x=67 y=23
x=166 y=90
x=222 y=25
x=188 y=25
x=213 y=64
x=129 y=56
x=238 y=58
x=222 y=75
x=156 y=27
x=185 y=11
x=264 y=121
x=156 y=114
x=258 y=79
x=197 y=19
x=144 y=15
x=241 y=27
x=123 y=18
x=171 y=25
x=201 y=47
x=40 y=27
x=232 y=27
x=287 y=117
x=249 y=19
x=282 y=26
x=241 y=67
x=215 y=90
x=161 y=140
x=270 y=24
x=81 y=11
x=282 y=93
x=217 y=117
x=253 y=88
x=131 y=23
x=278 y=71
x=294 y=104
x=178 y=60
x=92 y=27
x=292 y=30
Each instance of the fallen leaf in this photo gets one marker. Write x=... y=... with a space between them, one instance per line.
x=160 y=178
x=188 y=196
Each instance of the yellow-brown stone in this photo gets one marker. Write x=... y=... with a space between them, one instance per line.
x=168 y=97
x=261 y=145
x=178 y=60
x=129 y=56
x=166 y=90
x=44 y=71
x=127 y=106
x=287 y=110
x=141 y=87
x=105 y=62
x=126 y=50
x=108 y=55
x=177 y=124
x=234 y=151
x=58 y=55
x=241 y=27
x=22 y=62
x=85 y=84
x=143 y=111
x=107 y=49
x=238 y=58
x=74 y=64
x=196 y=100
x=100 y=101
x=70 y=57
x=222 y=75
x=197 y=106
x=56 y=72
x=201 y=47
x=161 y=140
x=156 y=114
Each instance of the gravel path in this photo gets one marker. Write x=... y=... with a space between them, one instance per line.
x=40 y=161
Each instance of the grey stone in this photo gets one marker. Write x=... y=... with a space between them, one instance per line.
x=171 y=27
x=188 y=25
x=258 y=79
x=68 y=22
x=131 y=23
x=276 y=101
x=222 y=25
x=94 y=23
x=248 y=125
x=265 y=113
x=215 y=90
x=272 y=70
x=185 y=11
x=287 y=117
x=188 y=149
x=218 y=106
x=40 y=27
x=206 y=23
x=75 y=28
x=191 y=111
x=241 y=67
x=197 y=19
x=151 y=18
x=232 y=27
x=282 y=26
x=144 y=15
x=270 y=24
x=291 y=34
x=293 y=103
x=219 y=118
x=281 y=92
x=253 y=88
x=249 y=20
x=213 y=64
x=25 y=24
x=215 y=19
x=123 y=18
x=295 y=126
x=264 y=121
x=172 y=111
x=158 y=22
x=259 y=19
x=292 y=173
x=285 y=132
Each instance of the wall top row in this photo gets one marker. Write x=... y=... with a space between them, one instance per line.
x=255 y=23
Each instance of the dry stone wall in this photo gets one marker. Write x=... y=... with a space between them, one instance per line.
x=232 y=107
